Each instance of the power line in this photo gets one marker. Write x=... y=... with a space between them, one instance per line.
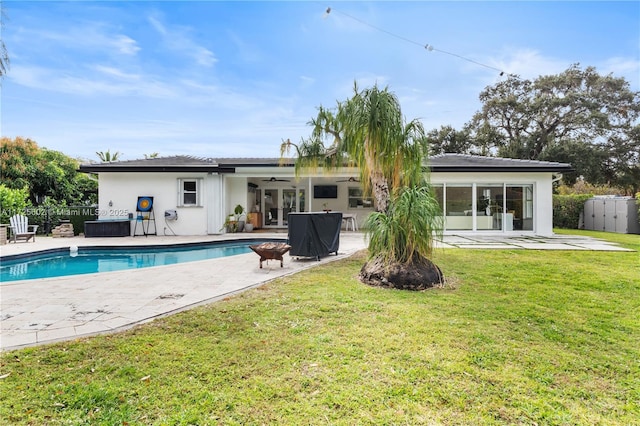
x=428 y=47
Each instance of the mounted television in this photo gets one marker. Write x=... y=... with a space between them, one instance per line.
x=325 y=191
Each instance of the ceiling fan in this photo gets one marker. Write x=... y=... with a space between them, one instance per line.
x=275 y=180
x=351 y=179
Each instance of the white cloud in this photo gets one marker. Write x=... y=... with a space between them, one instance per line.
x=109 y=82
x=125 y=45
x=623 y=67
x=247 y=52
x=157 y=25
x=178 y=39
x=117 y=73
x=209 y=95
x=94 y=37
x=528 y=63
x=307 y=81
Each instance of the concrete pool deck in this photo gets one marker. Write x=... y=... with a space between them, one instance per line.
x=40 y=311
x=47 y=310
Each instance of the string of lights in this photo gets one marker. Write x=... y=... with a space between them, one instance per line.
x=428 y=47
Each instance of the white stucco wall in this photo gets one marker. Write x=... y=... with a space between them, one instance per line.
x=123 y=190
x=220 y=194
x=235 y=193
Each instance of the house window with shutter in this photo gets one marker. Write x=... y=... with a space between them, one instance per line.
x=189 y=192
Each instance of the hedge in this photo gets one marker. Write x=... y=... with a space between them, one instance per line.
x=567 y=210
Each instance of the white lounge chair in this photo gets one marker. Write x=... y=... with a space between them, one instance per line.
x=20 y=229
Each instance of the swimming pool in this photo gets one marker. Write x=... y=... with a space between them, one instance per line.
x=88 y=260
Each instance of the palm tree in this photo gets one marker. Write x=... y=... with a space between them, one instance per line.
x=369 y=132
x=4 y=54
x=4 y=59
x=107 y=156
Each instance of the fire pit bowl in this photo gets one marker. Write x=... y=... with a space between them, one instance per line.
x=268 y=251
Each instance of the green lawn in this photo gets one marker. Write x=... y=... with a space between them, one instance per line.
x=517 y=337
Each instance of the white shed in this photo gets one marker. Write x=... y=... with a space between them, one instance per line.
x=612 y=214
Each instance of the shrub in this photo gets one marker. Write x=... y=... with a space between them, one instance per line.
x=567 y=210
x=585 y=188
x=12 y=201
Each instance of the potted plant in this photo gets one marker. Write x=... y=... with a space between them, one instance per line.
x=238 y=214
x=230 y=224
x=234 y=222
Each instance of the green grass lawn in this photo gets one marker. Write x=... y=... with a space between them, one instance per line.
x=517 y=337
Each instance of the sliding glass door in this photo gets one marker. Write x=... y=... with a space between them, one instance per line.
x=486 y=207
x=272 y=208
x=519 y=204
x=459 y=207
x=489 y=207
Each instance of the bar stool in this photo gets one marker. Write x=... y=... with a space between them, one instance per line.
x=350 y=220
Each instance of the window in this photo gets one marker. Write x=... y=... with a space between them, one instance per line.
x=528 y=202
x=459 y=207
x=189 y=192
x=438 y=193
x=489 y=207
x=358 y=200
x=519 y=202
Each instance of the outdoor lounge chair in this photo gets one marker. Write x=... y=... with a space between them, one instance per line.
x=20 y=229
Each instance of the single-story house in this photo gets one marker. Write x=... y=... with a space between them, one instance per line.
x=185 y=195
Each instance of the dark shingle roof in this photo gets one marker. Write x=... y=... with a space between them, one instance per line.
x=477 y=163
x=437 y=163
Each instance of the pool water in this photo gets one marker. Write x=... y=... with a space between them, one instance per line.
x=87 y=260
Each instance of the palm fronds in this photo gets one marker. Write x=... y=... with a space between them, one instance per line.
x=407 y=229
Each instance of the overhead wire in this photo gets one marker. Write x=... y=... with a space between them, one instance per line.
x=427 y=46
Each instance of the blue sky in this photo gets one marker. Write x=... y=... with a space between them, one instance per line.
x=233 y=79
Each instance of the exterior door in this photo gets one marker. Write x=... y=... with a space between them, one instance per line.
x=271 y=208
x=289 y=204
x=278 y=203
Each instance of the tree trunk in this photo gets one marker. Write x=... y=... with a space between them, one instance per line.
x=380 y=191
x=379 y=184
x=419 y=274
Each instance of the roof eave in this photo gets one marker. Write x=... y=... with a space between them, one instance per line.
x=142 y=169
x=265 y=164
x=494 y=169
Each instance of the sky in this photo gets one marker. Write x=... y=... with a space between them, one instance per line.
x=234 y=79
